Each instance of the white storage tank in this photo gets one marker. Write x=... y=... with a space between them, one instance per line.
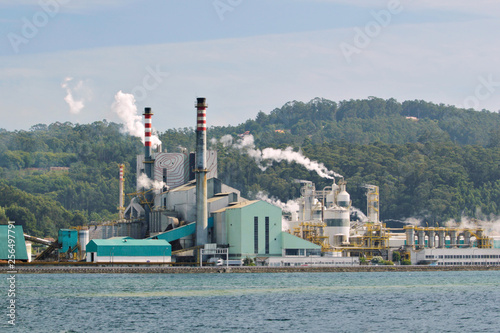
x=331 y=196
x=343 y=198
x=83 y=240
x=337 y=223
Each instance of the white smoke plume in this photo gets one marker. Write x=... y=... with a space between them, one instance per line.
x=490 y=225
x=246 y=144
x=226 y=140
x=124 y=106
x=362 y=217
x=75 y=106
x=291 y=206
x=144 y=181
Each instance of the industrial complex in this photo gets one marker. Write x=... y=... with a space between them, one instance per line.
x=181 y=213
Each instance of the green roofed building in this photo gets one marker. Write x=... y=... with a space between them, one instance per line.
x=253 y=229
x=127 y=249
x=16 y=247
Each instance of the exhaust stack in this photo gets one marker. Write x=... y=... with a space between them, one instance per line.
x=121 y=209
x=201 y=172
x=148 y=165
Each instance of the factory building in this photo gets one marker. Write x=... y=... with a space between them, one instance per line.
x=192 y=207
x=250 y=228
x=181 y=203
x=450 y=246
x=128 y=250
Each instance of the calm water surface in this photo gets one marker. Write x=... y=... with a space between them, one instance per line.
x=261 y=302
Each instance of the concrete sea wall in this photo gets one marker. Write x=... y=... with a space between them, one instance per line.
x=93 y=268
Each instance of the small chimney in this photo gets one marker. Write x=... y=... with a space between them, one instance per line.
x=121 y=209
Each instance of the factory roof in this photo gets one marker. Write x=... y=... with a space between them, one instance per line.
x=185 y=187
x=237 y=205
x=289 y=241
x=128 y=241
x=216 y=198
x=126 y=246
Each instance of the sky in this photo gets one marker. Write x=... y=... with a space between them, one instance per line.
x=66 y=60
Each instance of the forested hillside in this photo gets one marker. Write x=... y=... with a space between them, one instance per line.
x=431 y=161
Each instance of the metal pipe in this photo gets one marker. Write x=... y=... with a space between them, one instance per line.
x=121 y=209
x=201 y=173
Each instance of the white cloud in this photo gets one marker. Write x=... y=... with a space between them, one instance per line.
x=439 y=62
x=483 y=7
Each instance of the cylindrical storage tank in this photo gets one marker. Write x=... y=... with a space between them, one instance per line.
x=467 y=238
x=453 y=237
x=331 y=196
x=83 y=240
x=337 y=222
x=28 y=250
x=421 y=238
x=432 y=237
x=343 y=199
x=442 y=237
x=317 y=211
x=410 y=235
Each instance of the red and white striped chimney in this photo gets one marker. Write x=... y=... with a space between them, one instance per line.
x=201 y=172
x=147 y=131
x=201 y=107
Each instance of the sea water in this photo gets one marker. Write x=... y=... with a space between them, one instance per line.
x=456 y=301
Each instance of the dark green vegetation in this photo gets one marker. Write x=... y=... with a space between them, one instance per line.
x=441 y=166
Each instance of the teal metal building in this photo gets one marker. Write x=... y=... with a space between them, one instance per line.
x=253 y=229
x=127 y=249
x=67 y=239
x=17 y=244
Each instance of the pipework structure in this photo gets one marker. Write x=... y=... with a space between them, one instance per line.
x=201 y=172
x=372 y=199
x=416 y=238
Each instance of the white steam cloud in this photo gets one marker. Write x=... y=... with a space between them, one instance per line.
x=291 y=206
x=491 y=226
x=75 y=106
x=144 y=181
x=246 y=144
x=124 y=106
x=362 y=217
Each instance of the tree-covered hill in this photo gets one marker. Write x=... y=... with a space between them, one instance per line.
x=430 y=161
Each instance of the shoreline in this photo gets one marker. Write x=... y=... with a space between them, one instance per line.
x=50 y=268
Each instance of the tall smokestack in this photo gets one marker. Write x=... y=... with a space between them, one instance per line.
x=201 y=172
x=148 y=164
x=147 y=133
x=121 y=209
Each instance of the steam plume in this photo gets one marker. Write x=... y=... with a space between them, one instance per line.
x=144 y=181
x=246 y=144
x=124 y=106
x=75 y=106
x=291 y=206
